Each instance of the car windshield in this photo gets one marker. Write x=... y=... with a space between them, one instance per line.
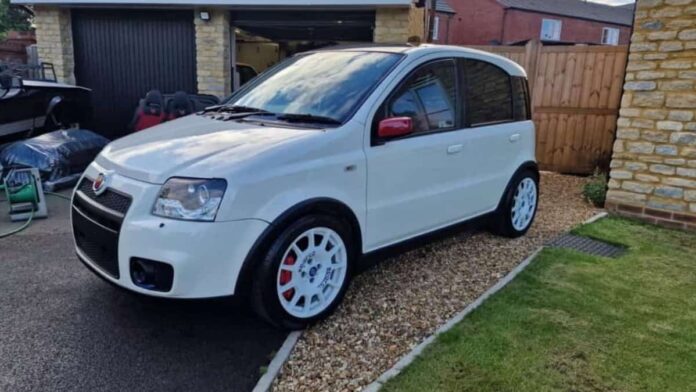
x=320 y=85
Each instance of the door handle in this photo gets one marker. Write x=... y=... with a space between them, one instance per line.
x=455 y=149
x=515 y=138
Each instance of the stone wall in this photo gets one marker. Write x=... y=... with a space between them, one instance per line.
x=397 y=25
x=54 y=41
x=653 y=171
x=213 y=64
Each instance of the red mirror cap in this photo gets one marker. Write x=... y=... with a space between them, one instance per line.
x=395 y=126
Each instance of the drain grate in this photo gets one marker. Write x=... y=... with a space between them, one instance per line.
x=587 y=245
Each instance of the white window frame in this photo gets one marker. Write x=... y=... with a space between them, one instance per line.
x=436 y=28
x=551 y=29
x=610 y=36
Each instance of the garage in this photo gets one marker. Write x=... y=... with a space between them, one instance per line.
x=128 y=47
x=265 y=37
x=328 y=25
x=122 y=54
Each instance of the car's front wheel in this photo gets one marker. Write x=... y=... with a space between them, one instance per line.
x=518 y=208
x=305 y=272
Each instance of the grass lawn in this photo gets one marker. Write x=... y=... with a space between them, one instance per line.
x=573 y=322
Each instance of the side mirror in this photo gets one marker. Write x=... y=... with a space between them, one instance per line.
x=395 y=127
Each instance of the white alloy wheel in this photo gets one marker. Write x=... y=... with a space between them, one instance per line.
x=524 y=204
x=312 y=272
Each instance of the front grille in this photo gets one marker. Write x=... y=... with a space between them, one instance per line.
x=97 y=225
x=100 y=245
x=109 y=199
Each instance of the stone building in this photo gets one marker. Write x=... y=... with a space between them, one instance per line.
x=122 y=48
x=653 y=171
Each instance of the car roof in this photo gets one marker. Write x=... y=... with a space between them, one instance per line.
x=506 y=64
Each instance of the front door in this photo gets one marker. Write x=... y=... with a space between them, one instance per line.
x=417 y=183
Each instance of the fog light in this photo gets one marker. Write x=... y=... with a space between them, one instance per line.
x=151 y=275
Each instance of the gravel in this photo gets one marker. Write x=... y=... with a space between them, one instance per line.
x=404 y=298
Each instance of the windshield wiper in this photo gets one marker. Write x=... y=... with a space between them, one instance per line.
x=235 y=109
x=308 y=118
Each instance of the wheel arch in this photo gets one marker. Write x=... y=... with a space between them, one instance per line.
x=325 y=206
x=528 y=165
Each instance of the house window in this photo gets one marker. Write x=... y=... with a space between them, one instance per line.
x=436 y=28
x=551 y=30
x=610 y=36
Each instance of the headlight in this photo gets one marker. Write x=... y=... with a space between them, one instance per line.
x=190 y=199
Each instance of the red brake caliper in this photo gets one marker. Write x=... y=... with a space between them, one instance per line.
x=286 y=277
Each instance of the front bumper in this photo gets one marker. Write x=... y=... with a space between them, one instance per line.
x=207 y=257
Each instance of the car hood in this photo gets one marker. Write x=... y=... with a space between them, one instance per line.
x=193 y=146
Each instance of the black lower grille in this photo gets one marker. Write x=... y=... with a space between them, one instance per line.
x=97 y=242
x=97 y=225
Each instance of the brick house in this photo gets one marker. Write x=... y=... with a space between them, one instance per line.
x=500 y=22
x=122 y=48
x=13 y=49
x=653 y=175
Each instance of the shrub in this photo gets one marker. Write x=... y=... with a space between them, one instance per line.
x=595 y=190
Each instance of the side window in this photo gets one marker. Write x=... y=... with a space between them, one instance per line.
x=520 y=99
x=489 y=93
x=405 y=104
x=428 y=96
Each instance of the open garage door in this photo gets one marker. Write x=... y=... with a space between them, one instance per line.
x=315 y=25
x=121 y=54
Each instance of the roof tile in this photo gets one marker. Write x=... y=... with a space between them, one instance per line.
x=576 y=8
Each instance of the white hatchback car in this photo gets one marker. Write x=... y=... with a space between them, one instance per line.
x=325 y=157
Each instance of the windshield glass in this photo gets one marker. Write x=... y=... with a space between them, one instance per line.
x=323 y=84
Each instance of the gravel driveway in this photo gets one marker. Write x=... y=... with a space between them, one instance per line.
x=395 y=305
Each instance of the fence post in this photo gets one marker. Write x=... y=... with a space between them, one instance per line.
x=532 y=50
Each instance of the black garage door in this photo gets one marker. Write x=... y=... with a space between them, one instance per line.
x=122 y=54
x=308 y=25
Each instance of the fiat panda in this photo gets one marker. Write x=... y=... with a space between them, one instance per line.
x=332 y=154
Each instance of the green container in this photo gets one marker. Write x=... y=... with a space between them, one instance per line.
x=24 y=194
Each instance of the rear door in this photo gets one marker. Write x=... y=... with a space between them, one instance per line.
x=495 y=135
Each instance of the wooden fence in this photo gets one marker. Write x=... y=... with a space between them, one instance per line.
x=576 y=95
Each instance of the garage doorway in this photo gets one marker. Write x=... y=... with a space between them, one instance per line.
x=263 y=38
x=121 y=54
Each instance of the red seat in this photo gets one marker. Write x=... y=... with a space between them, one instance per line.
x=150 y=111
x=179 y=106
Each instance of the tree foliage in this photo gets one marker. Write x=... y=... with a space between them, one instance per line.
x=13 y=18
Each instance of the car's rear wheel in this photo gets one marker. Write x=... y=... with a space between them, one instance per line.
x=305 y=273
x=518 y=208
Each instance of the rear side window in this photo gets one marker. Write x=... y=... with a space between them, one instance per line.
x=489 y=93
x=428 y=96
x=520 y=99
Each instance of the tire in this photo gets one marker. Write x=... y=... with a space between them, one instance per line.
x=514 y=220
x=295 y=285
